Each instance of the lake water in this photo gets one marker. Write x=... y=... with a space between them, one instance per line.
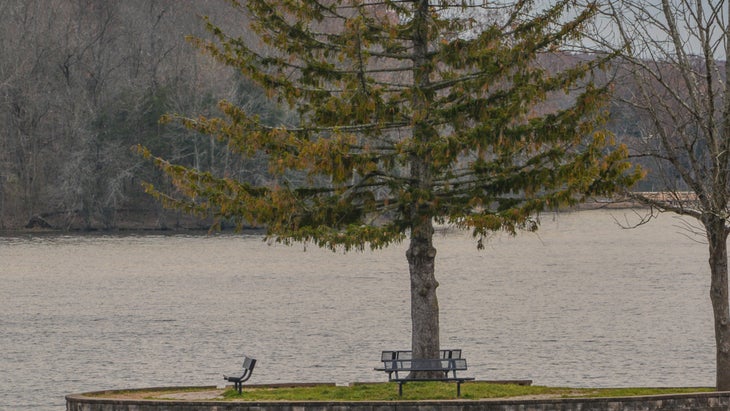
x=584 y=303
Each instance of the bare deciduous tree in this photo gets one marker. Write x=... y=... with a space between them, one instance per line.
x=675 y=59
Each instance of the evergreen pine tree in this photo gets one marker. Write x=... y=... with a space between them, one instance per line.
x=409 y=113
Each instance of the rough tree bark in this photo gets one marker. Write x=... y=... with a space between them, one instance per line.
x=424 y=304
x=717 y=233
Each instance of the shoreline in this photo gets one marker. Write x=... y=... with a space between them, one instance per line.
x=204 y=229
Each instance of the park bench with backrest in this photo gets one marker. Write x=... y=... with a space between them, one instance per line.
x=248 y=365
x=399 y=365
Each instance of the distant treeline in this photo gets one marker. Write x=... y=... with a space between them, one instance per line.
x=82 y=82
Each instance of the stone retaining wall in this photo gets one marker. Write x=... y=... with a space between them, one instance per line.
x=709 y=401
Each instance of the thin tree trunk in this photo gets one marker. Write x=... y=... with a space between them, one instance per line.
x=717 y=234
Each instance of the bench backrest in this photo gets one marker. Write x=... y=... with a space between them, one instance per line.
x=248 y=364
x=408 y=354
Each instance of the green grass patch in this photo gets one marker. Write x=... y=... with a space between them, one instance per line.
x=434 y=391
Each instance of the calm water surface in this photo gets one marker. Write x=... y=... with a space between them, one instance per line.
x=584 y=303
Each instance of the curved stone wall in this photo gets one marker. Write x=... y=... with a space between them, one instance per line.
x=708 y=401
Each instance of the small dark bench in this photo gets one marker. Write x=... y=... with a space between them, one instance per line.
x=248 y=365
x=395 y=363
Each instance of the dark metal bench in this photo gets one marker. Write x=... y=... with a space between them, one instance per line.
x=445 y=368
x=248 y=365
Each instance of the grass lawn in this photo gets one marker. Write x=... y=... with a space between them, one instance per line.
x=417 y=391
x=435 y=391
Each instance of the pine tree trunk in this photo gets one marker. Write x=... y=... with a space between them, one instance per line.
x=424 y=305
x=421 y=254
x=717 y=235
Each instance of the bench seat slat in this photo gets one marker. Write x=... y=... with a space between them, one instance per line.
x=432 y=379
x=425 y=365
